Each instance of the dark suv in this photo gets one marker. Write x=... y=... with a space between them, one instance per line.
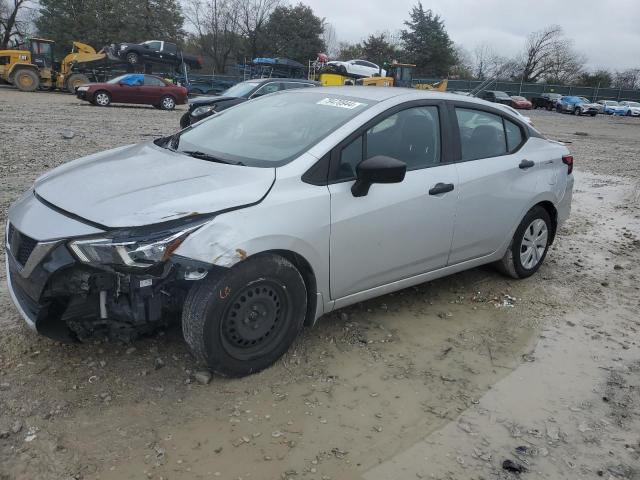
x=496 y=96
x=203 y=107
x=548 y=101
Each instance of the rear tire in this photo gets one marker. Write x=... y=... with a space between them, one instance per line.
x=26 y=80
x=529 y=245
x=102 y=98
x=167 y=102
x=244 y=320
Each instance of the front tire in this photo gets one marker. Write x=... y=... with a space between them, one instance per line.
x=241 y=322
x=529 y=245
x=102 y=98
x=577 y=112
x=133 y=58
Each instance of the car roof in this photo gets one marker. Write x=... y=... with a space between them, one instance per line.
x=380 y=94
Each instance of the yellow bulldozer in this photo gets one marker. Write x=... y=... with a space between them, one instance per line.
x=32 y=66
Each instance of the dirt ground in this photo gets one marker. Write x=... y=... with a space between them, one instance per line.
x=446 y=380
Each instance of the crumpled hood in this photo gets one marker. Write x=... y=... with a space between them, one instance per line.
x=144 y=184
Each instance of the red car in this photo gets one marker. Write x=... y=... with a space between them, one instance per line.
x=521 y=102
x=134 y=88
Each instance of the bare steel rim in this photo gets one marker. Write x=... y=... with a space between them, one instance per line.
x=257 y=318
x=168 y=103
x=102 y=99
x=534 y=243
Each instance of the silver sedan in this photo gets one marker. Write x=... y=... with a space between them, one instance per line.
x=266 y=216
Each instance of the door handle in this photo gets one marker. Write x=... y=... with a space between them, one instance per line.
x=524 y=164
x=439 y=188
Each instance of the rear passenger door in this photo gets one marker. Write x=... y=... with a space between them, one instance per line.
x=497 y=181
x=399 y=230
x=154 y=89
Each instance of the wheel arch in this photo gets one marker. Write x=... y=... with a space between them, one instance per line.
x=553 y=214
x=309 y=277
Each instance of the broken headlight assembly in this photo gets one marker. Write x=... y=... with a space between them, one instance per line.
x=130 y=248
x=203 y=110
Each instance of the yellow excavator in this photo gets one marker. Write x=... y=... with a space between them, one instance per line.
x=32 y=66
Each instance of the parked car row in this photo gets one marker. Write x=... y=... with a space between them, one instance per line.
x=574 y=104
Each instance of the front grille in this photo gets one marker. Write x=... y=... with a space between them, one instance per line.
x=21 y=245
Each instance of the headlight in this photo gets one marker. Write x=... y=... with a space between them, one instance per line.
x=82 y=89
x=127 y=250
x=123 y=47
x=203 y=110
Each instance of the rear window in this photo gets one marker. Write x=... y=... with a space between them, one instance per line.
x=485 y=135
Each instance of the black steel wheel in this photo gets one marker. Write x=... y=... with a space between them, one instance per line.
x=255 y=319
x=241 y=321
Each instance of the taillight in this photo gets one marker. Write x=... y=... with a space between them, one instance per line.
x=568 y=161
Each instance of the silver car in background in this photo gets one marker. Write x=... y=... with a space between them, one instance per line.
x=262 y=218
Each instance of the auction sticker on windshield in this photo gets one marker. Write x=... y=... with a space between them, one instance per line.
x=340 y=103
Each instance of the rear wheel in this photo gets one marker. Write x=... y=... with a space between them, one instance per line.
x=242 y=321
x=529 y=245
x=26 y=80
x=75 y=80
x=102 y=98
x=167 y=102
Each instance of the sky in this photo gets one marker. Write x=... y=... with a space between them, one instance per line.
x=606 y=31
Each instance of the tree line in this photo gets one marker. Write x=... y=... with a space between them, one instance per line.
x=228 y=32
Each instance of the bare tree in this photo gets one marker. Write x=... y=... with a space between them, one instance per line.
x=14 y=20
x=564 y=64
x=538 y=50
x=217 y=27
x=483 y=57
x=627 y=79
x=253 y=17
x=330 y=40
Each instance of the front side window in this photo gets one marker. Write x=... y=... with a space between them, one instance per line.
x=155 y=46
x=411 y=135
x=481 y=134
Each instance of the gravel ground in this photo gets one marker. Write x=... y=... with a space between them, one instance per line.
x=445 y=380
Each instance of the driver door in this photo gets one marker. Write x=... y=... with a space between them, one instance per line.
x=399 y=230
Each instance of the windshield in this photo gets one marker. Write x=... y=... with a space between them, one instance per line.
x=271 y=130
x=240 y=89
x=633 y=104
x=585 y=100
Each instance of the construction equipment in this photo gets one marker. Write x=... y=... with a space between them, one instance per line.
x=401 y=75
x=34 y=67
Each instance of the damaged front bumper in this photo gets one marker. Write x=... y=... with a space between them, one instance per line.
x=63 y=298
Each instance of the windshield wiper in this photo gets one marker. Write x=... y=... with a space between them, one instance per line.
x=207 y=157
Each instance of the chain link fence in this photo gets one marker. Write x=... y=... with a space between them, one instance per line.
x=529 y=90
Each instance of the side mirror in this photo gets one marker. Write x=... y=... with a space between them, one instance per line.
x=378 y=169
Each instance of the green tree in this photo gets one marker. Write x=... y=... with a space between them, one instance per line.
x=295 y=33
x=427 y=43
x=378 y=49
x=598 y=79
x=349 y=51
x=101 y=22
